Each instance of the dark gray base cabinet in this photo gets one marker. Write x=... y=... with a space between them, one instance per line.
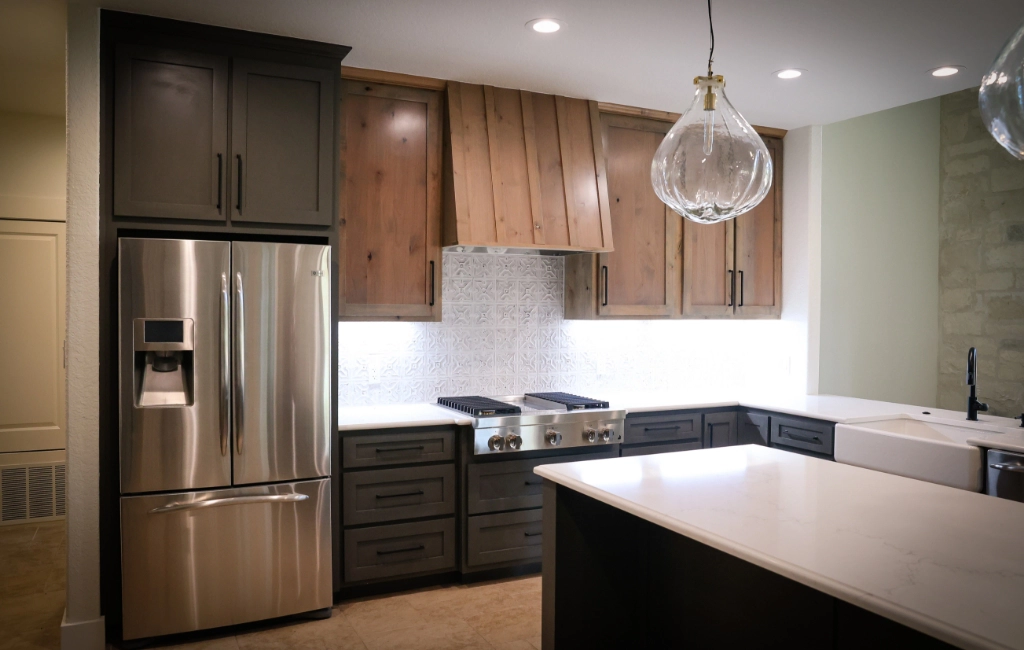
x=802 y=435
x=720 y=429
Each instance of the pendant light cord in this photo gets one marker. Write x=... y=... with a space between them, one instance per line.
x=711 y=26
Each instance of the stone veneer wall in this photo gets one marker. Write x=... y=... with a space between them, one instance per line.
x=981 y=261
x=502 y=333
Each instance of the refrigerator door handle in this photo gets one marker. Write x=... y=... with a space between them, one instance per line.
x=239 y=362
x=229 y=501
x=225 y=364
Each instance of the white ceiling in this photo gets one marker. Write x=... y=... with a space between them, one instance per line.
x=861 y=55
x=32 y=56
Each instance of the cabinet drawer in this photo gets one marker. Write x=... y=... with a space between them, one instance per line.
x=404 y=493
x=664 y=448
x=397 y=448
x=399 y=549
x=504 y=537
x=509 y=485
x=512 y=485
x=808 y=435
x=752 y=429
x=662 y=428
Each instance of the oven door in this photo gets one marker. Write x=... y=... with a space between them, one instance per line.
x=199 y=560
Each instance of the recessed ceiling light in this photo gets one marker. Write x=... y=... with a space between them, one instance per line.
x=789 y=73
x=545 y=25
x=946 y=70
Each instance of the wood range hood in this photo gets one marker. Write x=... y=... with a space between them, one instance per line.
x=523 y=172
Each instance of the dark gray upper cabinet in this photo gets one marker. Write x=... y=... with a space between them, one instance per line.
x=282 y=141
x=170 y=133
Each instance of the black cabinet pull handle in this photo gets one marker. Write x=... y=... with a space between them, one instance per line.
x=419 y=547
x=732 y=287
x=414 y=493
x=604 y=272
x=416 y=448
x=534 y=483
x=741 y=288
x=661 y=428
x=529 y=534
x=431 y=283
x=238 y=205
x=220 y=181
x=796 y=436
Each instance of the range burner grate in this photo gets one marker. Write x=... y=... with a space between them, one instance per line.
x=479 y=406
x=571 y=402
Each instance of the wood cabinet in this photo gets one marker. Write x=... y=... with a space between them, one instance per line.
x=524 y=169
x=390 y=225
x=734 y=268
x=664 y=265
x=172 y=156
x=170 y=133
x=641 y=277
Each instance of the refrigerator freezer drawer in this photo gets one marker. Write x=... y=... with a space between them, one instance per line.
x=199 y=560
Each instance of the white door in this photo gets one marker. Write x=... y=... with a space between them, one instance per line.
x=32 y=278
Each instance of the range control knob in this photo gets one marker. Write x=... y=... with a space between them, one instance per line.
x=496 y=443
x=514 y=441
x=553 y=437
x=606 y=434
x=590 y=434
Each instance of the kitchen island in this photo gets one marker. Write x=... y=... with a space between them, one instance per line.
x=755 y=547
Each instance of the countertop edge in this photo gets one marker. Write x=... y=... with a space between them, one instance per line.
x=857 y=597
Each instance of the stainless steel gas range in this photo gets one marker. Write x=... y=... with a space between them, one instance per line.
x=538 y=422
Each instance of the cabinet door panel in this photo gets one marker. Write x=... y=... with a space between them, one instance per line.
x=643 y=273
x=391 y=206
x=759 y=249
x=282 y=139
x=31 y=335
x=708 y=270
x=720 y=429
x=170 y=133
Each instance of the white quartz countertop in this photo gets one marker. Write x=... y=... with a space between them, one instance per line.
x=842 y=410
x=946 y=562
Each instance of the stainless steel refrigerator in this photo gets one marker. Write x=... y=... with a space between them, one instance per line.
x=225 y=359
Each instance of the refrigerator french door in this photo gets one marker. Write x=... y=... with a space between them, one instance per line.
x=224 y=432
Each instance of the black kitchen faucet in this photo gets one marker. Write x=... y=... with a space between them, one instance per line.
x=973 y=405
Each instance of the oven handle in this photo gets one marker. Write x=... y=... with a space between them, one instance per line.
x=229 y=501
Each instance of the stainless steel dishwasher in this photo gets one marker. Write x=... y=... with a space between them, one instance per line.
x=1005 y=475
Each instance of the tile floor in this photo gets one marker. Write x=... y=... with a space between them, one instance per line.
x=32 y=572
x=499 y=615
x=502 y=615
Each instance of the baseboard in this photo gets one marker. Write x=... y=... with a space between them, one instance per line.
x=85 y=635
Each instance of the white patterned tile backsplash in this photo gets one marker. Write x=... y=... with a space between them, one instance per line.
x=502 y=333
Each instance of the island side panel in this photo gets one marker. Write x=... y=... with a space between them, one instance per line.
x=614 y=580
x=594 y=571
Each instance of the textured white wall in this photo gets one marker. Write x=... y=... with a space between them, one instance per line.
x=83 y=626
x=502 y=332
x=33 y=167
x=880 y=255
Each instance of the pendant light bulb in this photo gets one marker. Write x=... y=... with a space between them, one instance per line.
x=712 y=165
x=1001 y=97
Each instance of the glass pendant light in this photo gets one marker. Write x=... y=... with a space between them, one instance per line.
x=1001 y=97
x=712 y=165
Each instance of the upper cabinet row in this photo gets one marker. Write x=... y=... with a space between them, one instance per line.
x=207 y=137
x=665 y=266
